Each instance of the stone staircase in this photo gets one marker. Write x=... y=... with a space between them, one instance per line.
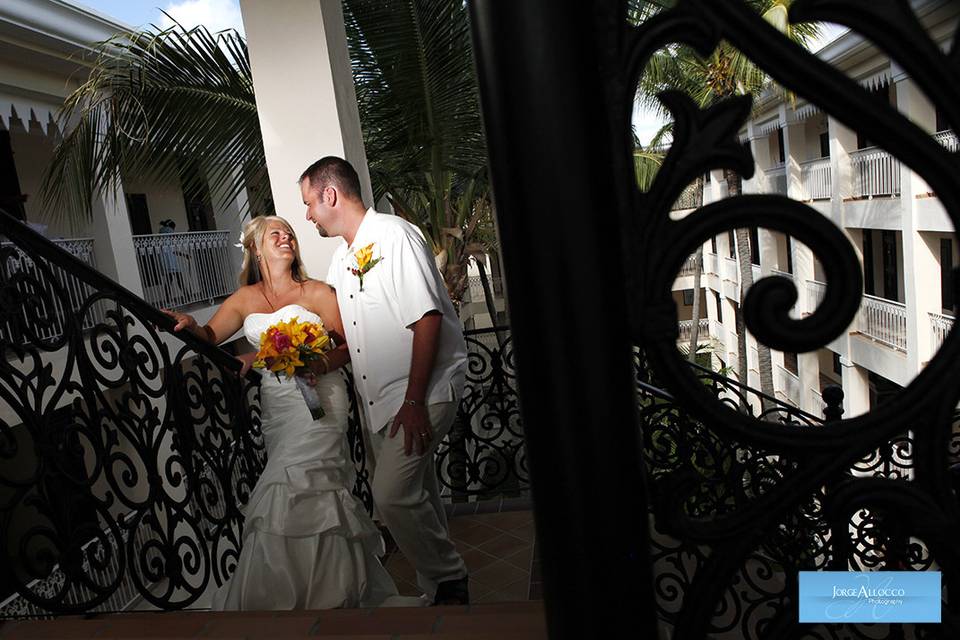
x=501 y=621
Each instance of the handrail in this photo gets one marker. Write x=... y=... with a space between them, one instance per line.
x=47 y=249
x=736 y=383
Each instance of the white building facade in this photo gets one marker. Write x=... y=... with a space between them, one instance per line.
x=896 y=225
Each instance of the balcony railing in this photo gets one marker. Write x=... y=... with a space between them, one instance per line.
x=179 y=269
x=789 y=384
x=776 y=180
x=885 y=321
x=691 y=198
x=875 y=173
x=711 y=263
x=940 y=326
x=817 y=401
x=475 y=286
x=816 y=176
x=816 y=291
x=686 y=329
x=43 y=315
x=948 y=139
x=782 y=274
x=731 y=271
x=689 y=266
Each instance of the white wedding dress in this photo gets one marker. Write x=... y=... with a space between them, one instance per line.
x=308 y=543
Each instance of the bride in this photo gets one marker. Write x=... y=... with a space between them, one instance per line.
x=307 y=543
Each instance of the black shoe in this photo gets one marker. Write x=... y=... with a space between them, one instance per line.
x=452 y=592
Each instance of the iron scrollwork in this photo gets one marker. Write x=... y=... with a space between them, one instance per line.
x=123 y=464
x=744 y=503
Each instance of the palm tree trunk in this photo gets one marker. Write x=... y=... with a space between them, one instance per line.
x=746 y=280
x=697 y=275
x=488 y=298
x=695 y=328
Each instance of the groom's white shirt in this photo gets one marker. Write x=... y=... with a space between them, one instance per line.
x=397 y=291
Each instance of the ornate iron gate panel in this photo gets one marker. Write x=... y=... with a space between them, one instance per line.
x=739 y=504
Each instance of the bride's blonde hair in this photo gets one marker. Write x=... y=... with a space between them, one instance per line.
x=253 y=242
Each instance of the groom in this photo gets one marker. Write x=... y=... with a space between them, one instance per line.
x=409 y=362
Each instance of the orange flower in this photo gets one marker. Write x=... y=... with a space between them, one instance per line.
x=289 y=346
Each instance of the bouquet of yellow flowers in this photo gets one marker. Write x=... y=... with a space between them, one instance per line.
x=288 y=347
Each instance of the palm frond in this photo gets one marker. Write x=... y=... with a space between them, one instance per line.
x=153 y=104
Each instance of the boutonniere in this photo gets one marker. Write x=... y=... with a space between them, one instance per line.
x=365 y=262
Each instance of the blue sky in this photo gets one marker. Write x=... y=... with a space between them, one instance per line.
x=222 y=14
x=215 y=14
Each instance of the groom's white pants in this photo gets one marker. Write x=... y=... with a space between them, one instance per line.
x=406 y=496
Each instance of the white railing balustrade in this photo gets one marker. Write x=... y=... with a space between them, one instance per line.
x=816 y=291
x=475 y=287
x=45 y=320
x=179 y=269
x=691 y=198
x=817 y=179
x=818 y=403
x=940 y=326
x=782 y=274
x=711 y=264
x=885 y=321
x=875 y=173
x=689 y=266
x=789 y=385
x=777 y=180
x=731 y=271
x=686 y=330
x=948 y=139
x=717 y=332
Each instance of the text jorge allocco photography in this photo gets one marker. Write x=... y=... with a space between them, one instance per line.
x=869 y=596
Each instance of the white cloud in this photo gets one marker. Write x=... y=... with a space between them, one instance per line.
x=215 y=15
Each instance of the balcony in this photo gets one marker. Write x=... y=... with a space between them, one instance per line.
x=876 y=173
x=686 y=330
x=776 y=178
x=815 y=293
x=884 y=321
x=940 y=326
x=730 y=270
x=689 y=266
x=475 y=287
x=948 y=139
x=691 y=198
x=816 y=178
x=45 y=316
x=181 y=269
x=788 y=383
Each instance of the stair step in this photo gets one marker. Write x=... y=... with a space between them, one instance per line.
x=504 y=621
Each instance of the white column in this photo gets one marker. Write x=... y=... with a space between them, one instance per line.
x=921 y=261
x=306 y=102
x=113 y=240
x=230 y=217
x=843 y=142
x=856 y=389
x=760 y=148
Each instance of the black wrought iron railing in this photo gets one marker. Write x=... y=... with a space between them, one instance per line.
x=125 y=452
x=126 y=455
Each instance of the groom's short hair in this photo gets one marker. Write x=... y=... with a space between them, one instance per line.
x=335 y=171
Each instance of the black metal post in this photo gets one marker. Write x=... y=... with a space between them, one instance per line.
x=546 y=120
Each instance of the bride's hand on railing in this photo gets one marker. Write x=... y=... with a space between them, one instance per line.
x=246 y=361
x=185 y=321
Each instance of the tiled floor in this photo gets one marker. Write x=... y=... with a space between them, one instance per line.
x=498 y=549
x=513 y=621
